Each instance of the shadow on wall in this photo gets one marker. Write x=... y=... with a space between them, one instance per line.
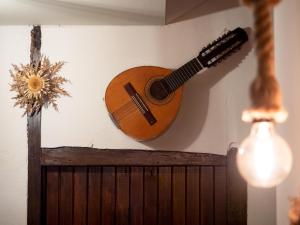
x=193 y=112
x=178 y=10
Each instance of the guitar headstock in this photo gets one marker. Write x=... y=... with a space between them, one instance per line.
x=222 y=47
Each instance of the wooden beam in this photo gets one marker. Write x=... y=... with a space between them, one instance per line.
x=34 y=144
x=83 y=156
x=236 y=192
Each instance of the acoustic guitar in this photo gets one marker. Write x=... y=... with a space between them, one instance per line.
x=143 y=101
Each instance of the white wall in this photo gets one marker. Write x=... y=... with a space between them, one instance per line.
x=13 y=147
x=97 y=12
x=209 y=119
x=287 y=36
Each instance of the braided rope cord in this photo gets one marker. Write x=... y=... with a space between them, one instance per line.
x=265 y=92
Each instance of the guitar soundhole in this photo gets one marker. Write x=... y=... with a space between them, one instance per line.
x=158 y=91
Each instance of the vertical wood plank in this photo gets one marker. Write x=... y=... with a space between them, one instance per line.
x=80 y=196
x=165 y=196
x=108 y=196
x=94 y=196
x=44 y=195
x=220 y=196
x=66 y=196
x=52 y=195
x=207 y=195
x=34 y=169
x=122 y=198
x=34 y=142
x=179 y=185
x=150 y=195
x=192 y=192
x=236 y=192
x=136 y=196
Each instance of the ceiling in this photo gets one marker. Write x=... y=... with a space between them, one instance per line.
x=114 y=12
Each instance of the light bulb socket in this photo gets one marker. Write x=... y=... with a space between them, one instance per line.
x=262 y=115
x=263 y=120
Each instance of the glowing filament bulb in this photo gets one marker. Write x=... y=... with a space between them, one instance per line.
x=264 y=159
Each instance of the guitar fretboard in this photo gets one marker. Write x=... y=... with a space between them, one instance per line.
x=181 y=75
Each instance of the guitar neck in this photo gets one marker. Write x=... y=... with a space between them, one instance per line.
x=178 y=77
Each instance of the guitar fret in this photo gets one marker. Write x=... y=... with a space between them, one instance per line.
x=195 y=67
x=175 y=82
x=196 y=64
x=191 y=73
x=171 y=84
x=182 y=74
x=198 y=61
x=185 y=69
x=191 y=68
x=168 y=82
x=178 y=81
x=185 y=74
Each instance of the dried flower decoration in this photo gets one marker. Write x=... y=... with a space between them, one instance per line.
x=37 y=86
x=294 y=213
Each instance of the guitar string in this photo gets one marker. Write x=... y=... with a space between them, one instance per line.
x=130 y=107
x=194 y=65
x=181 y=75
x=125 y=109
x=120 y=115
x=192 y=68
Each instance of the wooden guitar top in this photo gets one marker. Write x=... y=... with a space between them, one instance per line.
x=126 y=108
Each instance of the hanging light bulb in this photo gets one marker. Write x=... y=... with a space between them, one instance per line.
x=264 y=159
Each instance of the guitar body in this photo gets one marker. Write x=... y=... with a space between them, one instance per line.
x=144 y=101
x=132 y=107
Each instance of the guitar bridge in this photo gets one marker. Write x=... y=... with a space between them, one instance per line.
x=140 y=104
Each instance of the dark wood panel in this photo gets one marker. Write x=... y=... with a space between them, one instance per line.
x=94 y=195
x=136 y=195
x=66 y=196
x=80 y=196
x=108 y=195
x=34 y=169
x=150 y=195
x=192 y=195
x=44 y=196
x=165 y=196
x=144 y=195
x=236 y=193
x=122 y=196
x=207 y=195
x=114 y=157
x=220 y=196
x=179 y=192
x=52 y=195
